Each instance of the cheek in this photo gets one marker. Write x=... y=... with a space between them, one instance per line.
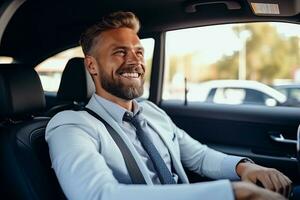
x=115 y=63
x=144 y=66
x=110 y=65
x=143 y=61
x=118 y=61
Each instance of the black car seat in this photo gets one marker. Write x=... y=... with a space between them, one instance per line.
x=75 y=89
x=25 y=169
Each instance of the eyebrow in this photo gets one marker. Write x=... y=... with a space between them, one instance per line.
x=125 y=47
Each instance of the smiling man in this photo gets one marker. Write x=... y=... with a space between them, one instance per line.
x=89 y=163
x=117 y=66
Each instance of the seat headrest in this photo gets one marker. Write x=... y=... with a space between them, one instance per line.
x=76 y=82
x=21 y=92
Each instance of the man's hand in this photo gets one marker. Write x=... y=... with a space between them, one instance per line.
x=249 y=191
x=270 y=178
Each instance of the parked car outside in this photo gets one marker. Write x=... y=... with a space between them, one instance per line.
x=291 y=91
x=235 y=92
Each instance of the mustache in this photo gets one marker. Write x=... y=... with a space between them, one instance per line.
x=131 y=69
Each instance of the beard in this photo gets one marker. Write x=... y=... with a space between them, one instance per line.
x=120 y=89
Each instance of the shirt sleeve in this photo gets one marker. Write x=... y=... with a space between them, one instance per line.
x=84 y=174
x=204 y=160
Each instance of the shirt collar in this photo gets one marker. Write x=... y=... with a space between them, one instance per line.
x=116 y=111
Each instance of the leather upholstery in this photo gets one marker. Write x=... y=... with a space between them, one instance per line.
x=75 y=89
x=25 y=170
x=20 y=91
x=76 y=83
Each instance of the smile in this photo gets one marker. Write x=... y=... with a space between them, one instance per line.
x=131 y=75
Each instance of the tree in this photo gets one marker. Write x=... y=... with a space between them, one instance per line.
x=269 y=55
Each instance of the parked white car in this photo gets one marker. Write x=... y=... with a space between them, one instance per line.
x=236 y=92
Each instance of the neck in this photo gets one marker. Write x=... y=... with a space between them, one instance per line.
x=127 y=104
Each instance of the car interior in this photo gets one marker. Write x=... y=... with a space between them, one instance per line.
x=33 y=31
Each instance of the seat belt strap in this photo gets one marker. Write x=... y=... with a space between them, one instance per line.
x=132 y=167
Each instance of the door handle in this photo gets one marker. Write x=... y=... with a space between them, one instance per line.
x=280 y=139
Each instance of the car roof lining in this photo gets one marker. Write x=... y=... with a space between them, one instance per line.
x=42 y=28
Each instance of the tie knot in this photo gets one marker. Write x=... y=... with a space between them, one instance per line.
x=128 y=117
x=136 y=120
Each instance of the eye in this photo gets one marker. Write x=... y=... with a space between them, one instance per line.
x=120 y=52
x=140 y=53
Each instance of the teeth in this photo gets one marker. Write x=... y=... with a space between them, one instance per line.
x=130 y=75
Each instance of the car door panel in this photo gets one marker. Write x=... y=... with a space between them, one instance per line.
x=242 y=130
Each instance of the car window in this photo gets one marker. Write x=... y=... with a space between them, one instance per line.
x=230 y=96
x=250 y=56
x=295 y=93
x=255 y=97
x=50 y=70
x=238 y=96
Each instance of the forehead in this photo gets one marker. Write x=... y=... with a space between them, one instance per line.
x=119 y=37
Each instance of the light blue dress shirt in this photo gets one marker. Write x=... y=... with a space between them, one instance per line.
x=117 y=112
x=90 y=166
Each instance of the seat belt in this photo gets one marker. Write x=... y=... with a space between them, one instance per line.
x=132 y=167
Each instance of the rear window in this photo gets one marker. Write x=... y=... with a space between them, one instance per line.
x=50 y=70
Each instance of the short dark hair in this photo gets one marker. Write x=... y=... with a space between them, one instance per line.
x=112 y=21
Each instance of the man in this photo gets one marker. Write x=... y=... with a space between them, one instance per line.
x=90 y=165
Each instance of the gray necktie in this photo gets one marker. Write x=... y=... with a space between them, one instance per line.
x=160 y=166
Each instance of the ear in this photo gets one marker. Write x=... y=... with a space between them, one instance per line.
x=91 y=65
